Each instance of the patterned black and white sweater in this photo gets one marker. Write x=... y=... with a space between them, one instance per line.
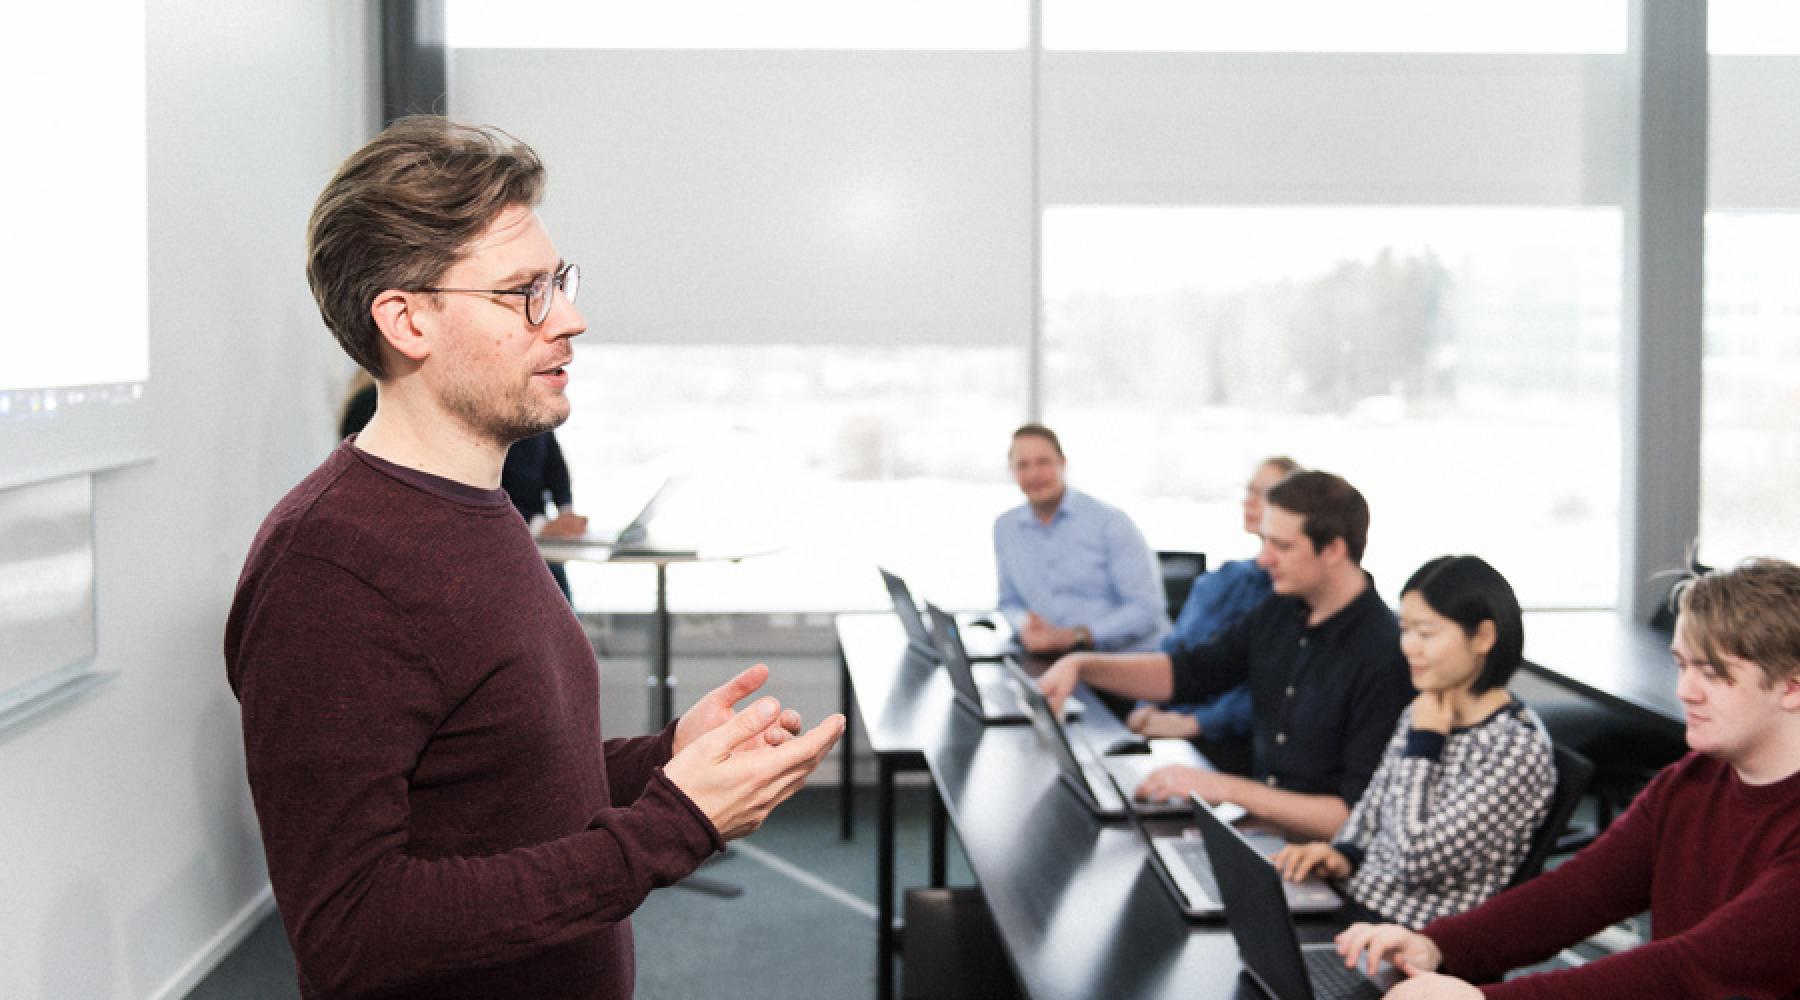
x=1447 y=819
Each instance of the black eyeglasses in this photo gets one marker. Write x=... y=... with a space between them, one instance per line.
x=538 y=297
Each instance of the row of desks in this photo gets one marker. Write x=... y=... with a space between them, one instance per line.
x=1076 y=903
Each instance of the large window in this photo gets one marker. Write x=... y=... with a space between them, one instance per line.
x=831 y=248
x=819 y=462
x=726 y=24
x=1460 y=366
x=1750 y=434
x=1750 y=439
x=1537 y=26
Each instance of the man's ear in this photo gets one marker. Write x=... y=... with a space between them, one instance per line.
x=1335 y=551
x=1790 y=694
x=403 y=326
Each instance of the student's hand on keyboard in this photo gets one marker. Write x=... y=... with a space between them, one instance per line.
x=1410 y=951
x=1178 y=782
x=1297 y=862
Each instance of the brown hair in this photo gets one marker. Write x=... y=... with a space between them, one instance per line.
x=402 y=211
x=1038 y=430
x=1332 y=509
x=1751 y=612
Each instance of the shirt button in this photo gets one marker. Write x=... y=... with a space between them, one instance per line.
x=1303 y=642
x=1281 y=738
x=1270 y=781
x=1290 y=691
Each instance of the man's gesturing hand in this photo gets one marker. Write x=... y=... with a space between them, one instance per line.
x=737 y=777
x=717 y=707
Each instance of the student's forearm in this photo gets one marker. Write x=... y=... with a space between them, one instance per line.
x=1304 y=817
x=1135 y=675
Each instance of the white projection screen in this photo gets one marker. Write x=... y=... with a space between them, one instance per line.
x=74 y=337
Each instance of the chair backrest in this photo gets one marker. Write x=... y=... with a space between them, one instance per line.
x=1179 y=571
x=1573 y=772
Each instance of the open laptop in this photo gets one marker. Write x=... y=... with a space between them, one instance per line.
x=1182 y=862
x=634 y=537
x=1093 y=780
x=993 y=698
x=1256 y=910
x=982 y=640
x=637 y=530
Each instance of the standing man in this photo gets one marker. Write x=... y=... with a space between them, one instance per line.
x=420 y=707
x=1321 y=655
x=1711 y=848
x=1074 y=573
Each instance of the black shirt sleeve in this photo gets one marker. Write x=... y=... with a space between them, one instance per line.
x=1212 y=668
x=556 y=476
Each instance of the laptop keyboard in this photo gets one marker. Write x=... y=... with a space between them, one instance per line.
x=999 y=698
x=1191 y=851
x=1331 y=980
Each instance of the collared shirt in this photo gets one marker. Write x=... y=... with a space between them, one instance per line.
x=1088 y=566
x=1325 y=697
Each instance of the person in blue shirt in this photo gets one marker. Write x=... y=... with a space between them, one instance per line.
x=1218 y=599
x=1074 y=573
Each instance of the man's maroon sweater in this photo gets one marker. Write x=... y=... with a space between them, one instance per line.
x=422 y=731
x=1715 y=861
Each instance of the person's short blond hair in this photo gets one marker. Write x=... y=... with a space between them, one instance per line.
x=1751 y=612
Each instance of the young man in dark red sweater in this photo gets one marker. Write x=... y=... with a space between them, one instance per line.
x=440 y=815
x=1711 y=848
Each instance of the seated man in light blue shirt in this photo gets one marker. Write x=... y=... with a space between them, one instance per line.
x=1074 y=573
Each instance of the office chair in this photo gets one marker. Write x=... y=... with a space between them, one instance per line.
x=1573 y=772
x=1626 y=754
x=1179 y=571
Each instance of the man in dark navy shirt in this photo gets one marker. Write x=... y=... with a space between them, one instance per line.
x=535 y=476
x=1321 y=656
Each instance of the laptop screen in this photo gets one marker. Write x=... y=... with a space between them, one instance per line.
x=639 y=527
x=956 y=662
x=906 y=610
x=1256 y=908
x=1048 y=725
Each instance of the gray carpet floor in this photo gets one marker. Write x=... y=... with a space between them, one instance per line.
x=804 y=925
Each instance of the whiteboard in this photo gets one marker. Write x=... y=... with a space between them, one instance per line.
x=46 y=586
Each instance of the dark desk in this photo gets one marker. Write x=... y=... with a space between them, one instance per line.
x=902 y=698
x=1618 y=662
x=906 y=703
x=1080 y=911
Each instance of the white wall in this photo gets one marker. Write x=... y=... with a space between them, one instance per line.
x=130 y=847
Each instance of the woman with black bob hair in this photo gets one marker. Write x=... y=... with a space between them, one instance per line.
x=1469 y=774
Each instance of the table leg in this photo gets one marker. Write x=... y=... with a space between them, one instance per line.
x=662 y=712
x=664 y=685
x=884 y=883
x=846 y=753
x=939 y=828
